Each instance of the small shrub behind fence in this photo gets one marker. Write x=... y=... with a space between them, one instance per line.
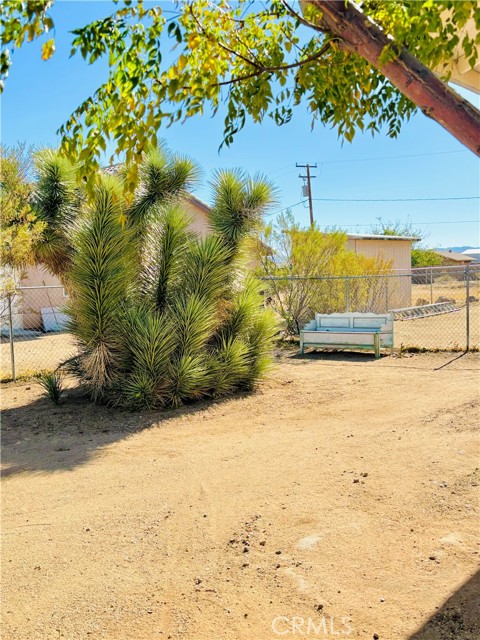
x=454 y=326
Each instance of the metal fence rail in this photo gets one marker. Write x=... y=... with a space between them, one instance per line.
x=434 y=307
x=33 y=330
x=34 y=335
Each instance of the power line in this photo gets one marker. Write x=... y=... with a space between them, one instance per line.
x=412 y=155
x=296 y=204
x=396 y=199
x=290 y=206
x=412 y=223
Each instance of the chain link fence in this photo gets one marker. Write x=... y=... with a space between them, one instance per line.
x=33 y=330
x=434 y=308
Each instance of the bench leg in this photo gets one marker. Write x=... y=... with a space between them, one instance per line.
x=376 y=344
x=301 y=348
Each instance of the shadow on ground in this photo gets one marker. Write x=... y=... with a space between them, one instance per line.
x=333 y=356
x=458 y=618
x=42 y=437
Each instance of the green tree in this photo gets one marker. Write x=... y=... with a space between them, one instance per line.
x=352 y=70
x=422 y=256
x=305 y=272
x=161 y=316
x=21 y=230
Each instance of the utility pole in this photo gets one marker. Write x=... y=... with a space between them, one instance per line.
x=308 y=178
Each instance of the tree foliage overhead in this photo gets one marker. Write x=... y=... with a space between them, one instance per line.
x=170 y=62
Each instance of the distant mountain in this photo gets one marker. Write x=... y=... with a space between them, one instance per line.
x=456 y=249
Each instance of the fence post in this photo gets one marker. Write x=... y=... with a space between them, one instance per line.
x=431 y=285
x=10 y=335
x=347 y=294
x=467 y=306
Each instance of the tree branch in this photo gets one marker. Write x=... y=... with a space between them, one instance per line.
x=300 y=18
x=221 y=45
x=418 y=83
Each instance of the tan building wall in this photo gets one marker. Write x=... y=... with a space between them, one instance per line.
x=200 y=216
x=40 y=289
x=399 y=252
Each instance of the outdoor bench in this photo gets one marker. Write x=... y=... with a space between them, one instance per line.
x=349 y=331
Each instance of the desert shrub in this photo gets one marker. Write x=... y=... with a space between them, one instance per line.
x=163 y=317
x=52 y=384
x=306 y=269
x=20 y=230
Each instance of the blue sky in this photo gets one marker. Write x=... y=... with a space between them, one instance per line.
x=424 y=162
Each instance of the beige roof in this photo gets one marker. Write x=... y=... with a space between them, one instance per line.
x=452 y=255
x=373 y=236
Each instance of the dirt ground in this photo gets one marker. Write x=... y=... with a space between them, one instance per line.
x=445 y=331
x=37 y=352
x=339 y=500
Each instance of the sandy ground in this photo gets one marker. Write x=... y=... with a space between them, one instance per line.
x=339 y=500
x=445 y=331
x=32 y=354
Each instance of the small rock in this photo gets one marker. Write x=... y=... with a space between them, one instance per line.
x=278 y=552
x=87 y=528
x=376 y=636
x=262 y=543
x=364 y=475
x=432 y=557
x=246 y=549
x=356 y=481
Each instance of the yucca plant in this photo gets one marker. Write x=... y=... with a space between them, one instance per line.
x=100 y=279
x=56 y=203
x=52 y=384
x=163 y=317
